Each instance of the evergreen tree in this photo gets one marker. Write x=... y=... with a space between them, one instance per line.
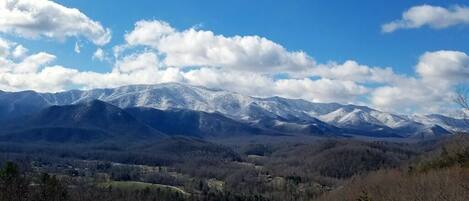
x=51 y=189
x=13 y=185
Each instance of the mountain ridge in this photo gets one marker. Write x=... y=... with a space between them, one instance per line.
x=84 y=122
x=299 y=113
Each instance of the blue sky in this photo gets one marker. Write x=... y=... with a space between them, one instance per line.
x=327 y=30
x=404 y=56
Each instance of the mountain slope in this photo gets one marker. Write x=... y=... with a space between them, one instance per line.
x=193 y=123
x=17 y=104
x=293 y=115
x=83 y=122
x=443 y=121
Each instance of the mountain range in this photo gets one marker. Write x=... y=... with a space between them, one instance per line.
x=180 y=109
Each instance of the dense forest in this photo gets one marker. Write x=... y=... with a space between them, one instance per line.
x=191 y=169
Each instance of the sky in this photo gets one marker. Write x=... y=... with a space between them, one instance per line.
x=396 y=56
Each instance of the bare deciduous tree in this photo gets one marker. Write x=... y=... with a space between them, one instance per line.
x=462 y=99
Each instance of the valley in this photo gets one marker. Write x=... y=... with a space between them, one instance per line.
x=181 y=142
x=234 y=100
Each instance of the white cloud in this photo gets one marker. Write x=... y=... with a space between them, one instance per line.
x=426 y=15
x=53 y=78
x=193 y=47
x=43 y=18
x=30 y=64
x=444 y=67
x=146 y=68
x=8 y=48
x=77 y=48
x=136 y=62
x=439 y=72
x=99 y=54
x=155 y=52
x=432 y=90
x=149 y=33
x=234 y=63
x=353 y=71
x=410 y=96
x=338 y=82
x=322 y=90
x=32 y=73
x=19 y=52
x=4 y=47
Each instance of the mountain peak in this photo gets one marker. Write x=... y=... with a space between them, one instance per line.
x=236 y=106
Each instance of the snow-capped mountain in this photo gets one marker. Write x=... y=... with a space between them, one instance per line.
x=447 y=123
x=294 y=115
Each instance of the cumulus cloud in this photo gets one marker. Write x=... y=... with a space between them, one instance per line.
x=4 y=47
x=145 y=67
x=337 y=82
x=44 y=18
x=412 y=95
x=154 y=52
x=32 y=73
x=33 y=62
x=192 y=47
x=8 y=48
x=149 y=33
x=438 y=73
x=426 y=15
x=19 y=52
x=431 y=90
x=51 y=78
x=136 y=62
x=321 y=90
x=353 y=71
x=99 y=54
x=444 y=66
x=30 y=64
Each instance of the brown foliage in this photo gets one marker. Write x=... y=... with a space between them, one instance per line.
x=450 y=184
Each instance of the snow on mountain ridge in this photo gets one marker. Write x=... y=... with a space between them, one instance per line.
x=452 y=124
x=241 y=107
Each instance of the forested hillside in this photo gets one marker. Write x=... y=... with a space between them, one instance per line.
x=190 y=169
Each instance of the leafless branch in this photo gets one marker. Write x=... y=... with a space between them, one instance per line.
x=462 y=99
